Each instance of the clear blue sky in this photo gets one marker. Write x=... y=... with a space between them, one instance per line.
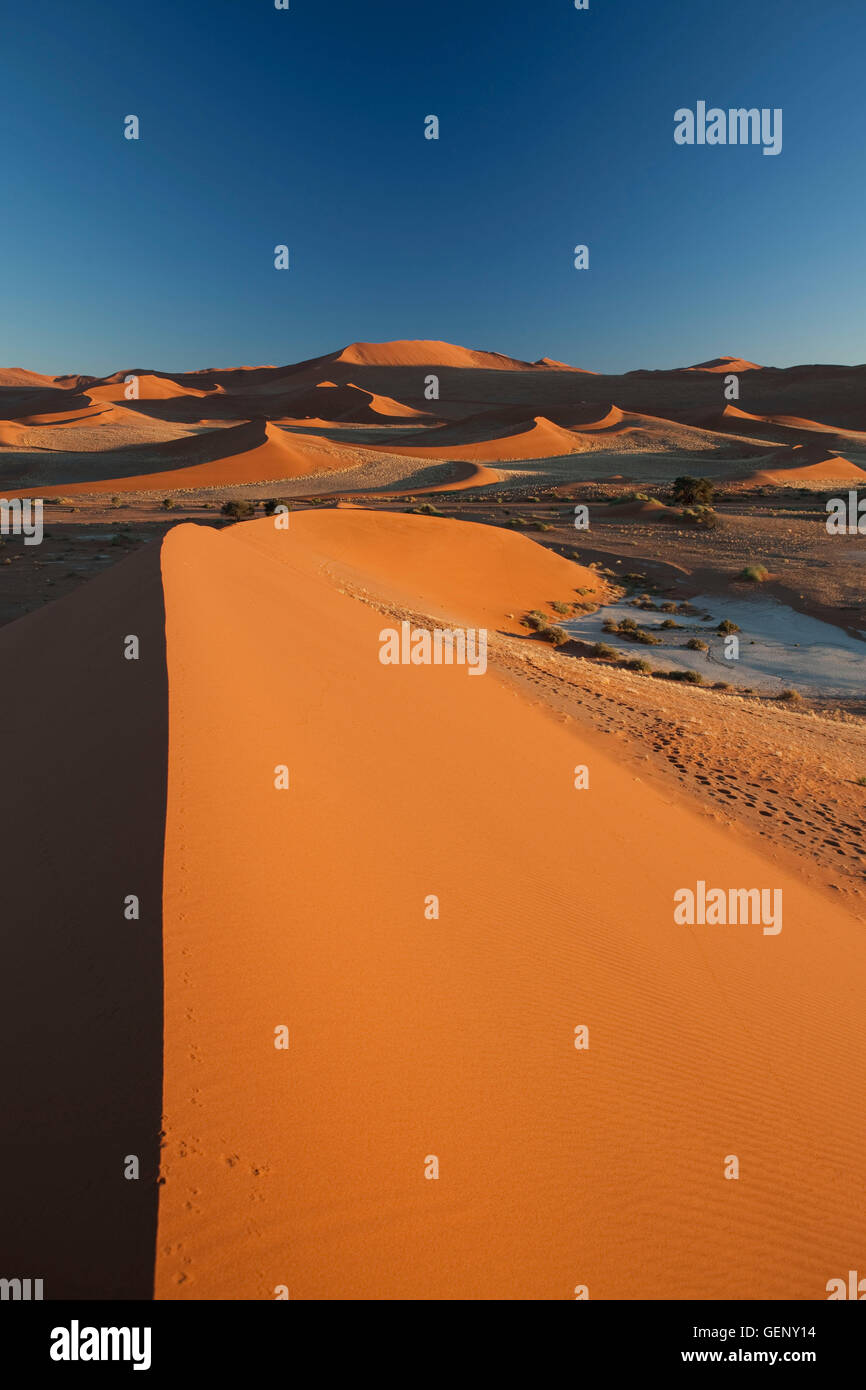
x=305 y=127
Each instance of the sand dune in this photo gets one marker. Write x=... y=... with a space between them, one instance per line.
x=329 y=402
x=250 y=453
x=150 y=388
x=419 y=352
x=454 y=1037
x=488 y=438
x=805 y=463
x=18 y=377
x=726 y=364
x=492 y=408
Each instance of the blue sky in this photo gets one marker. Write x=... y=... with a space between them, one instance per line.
x=306 y=127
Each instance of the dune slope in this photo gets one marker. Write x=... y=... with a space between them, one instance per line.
x=413 y=1037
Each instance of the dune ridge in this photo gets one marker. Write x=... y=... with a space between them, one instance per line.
x=454 y=1037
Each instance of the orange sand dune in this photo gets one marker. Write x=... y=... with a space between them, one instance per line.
x=150 y=388
x=465 y=475
x=11 y=432
x=807 y=463
x=453 y=1037
x=19 y=377
x=420 y=352
x=726 y=364
x=773 y=426
x=487 y=438
x=279 y=455
x=330 y=402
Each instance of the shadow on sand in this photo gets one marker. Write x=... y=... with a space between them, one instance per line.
x=83 y=810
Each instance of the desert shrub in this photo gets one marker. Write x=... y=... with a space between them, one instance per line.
x=861 y=781
x=690 y=677
x=239 y=510
x=669 y=623
x=727 y=626
x=695 y=644
x=637 y=663
x=668 y=607
x=602 y=650
x=272 y=503
x=688 y=491
x=721 y=685
x=755 y=574
x=168 y=503
x=699 y=516
x=791 y=696
x=561 y=608
x=556 y=635
x=536 y=620
x=646 y=639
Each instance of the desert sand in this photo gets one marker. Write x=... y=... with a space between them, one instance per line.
x=455 y=1037
x=334 y=419
x=417 y=1035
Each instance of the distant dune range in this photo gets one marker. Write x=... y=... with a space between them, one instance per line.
x=343 y=413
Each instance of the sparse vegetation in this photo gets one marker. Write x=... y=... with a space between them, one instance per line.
x=690 y=677
x=238 y=510
x=792 y=697
x=272 y=503
x=688 y=491
x=602 y=650
x=726 y=626
x=695 y=644
x=754 y=574
x=669 y=623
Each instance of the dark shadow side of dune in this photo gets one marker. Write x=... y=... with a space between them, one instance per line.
x=81 y=993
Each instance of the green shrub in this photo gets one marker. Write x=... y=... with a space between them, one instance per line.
x=601 y=649
x=755 y=574
x=695 y=644
x=240 y=510
x=536 y=620
x=690 y=677
x=727 y=626
x=272 y=503
x=687 y=491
